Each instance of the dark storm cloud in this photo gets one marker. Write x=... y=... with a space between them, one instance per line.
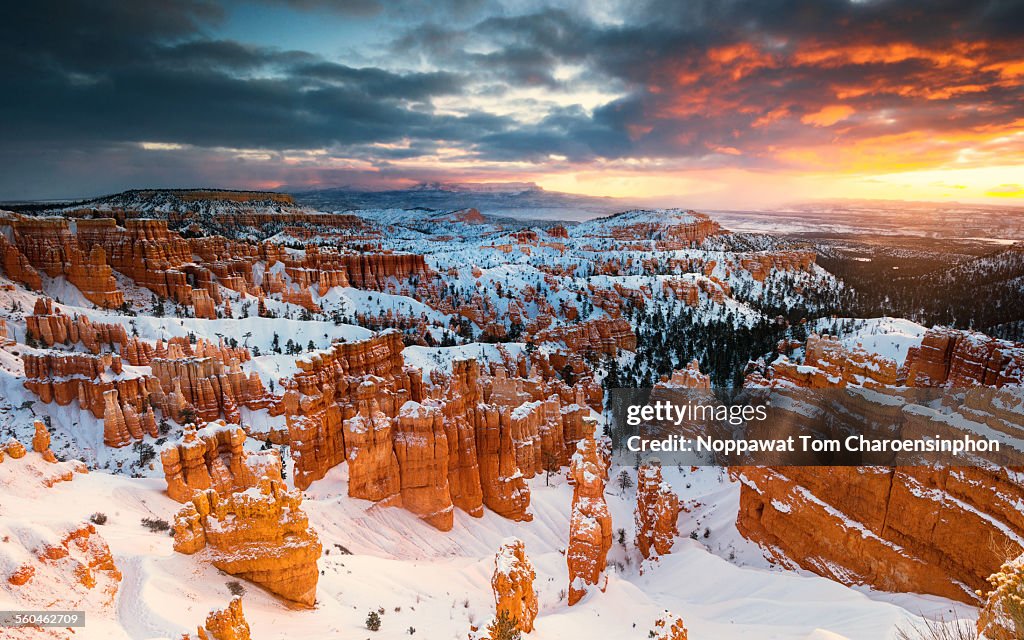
x=747 y=76
x=701 y=82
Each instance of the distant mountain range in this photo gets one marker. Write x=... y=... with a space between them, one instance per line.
x=502 y=200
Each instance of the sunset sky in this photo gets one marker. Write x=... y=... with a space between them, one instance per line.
x=705 y=104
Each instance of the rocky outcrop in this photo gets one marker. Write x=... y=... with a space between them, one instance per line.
x=374 y=270
x=145 y=251
x=590 y=524
x=49 y=246
x=1002 y=615
x=261 y=535
x=224 y=624
x=512 y=583
x=907 y=529
x=7 y=336
x=206 y=379
x=668 y=627
x=39 y=465
x=17 y=267
x=688 y=378
x=203 y=304
x=41 y=442
x=214 y=457
x=593 y=336
x=70 y=568
x=923 y=529
x=50 y=326
x=421 y=449
x=961 y=359
x=657 y=510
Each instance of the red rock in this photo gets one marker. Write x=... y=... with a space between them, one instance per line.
x=372 y=463
x=48 y=245
x=906 y=529
x=73 y=563
x=512 y=583
x=590 y=525
x=224 y=624
x=657 y=510
x=600 y=336
x=17 y=267
x=261 y=535
x=41 y=442
x=372 y=271
x=668 y=627
x=214 y=457
x=203 y=304
x=421 y=448
x=50 y=326
x=963 y=359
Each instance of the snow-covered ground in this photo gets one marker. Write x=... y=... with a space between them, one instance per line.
x=439 y=583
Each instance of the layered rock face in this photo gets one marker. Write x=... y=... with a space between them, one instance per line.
x=1002 y=616
x=657 y=511
x=374 y=270
x=593 y=336
x=49 y=245
x=590 y=525
x=50 y=326
x=512 y=583
x=949 y=357
x=214 y=457
x=224 y=624
x=908 y=529
x=261 y=535
x=206 y=379
x=203 y=381
x=912 y=528
x=17 y=267
x=145 y=251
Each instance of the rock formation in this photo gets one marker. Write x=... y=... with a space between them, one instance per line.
x=261 y=535
x=657 y=510
x=512 y=583
x=668 y=627
x=145 y=251
x=923 y=529
x=17 y=267
x=68 y=568
x=214 y=457
x=41 y=442
x=50 y=326
x=954 y=358
x=224 y=624
x=49 y=245
x=421 y=449
x=372 y=271
x=593 y=336
x=590 y=525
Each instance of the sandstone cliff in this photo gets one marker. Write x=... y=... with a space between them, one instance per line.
x=260 y=534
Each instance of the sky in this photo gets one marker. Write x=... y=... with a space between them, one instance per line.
x=709 y=103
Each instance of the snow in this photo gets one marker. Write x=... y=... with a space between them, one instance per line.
x=888 y=337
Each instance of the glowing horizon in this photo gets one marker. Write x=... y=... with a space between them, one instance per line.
x=700 y=104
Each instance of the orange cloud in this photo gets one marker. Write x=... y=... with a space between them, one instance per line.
x=829 y=115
